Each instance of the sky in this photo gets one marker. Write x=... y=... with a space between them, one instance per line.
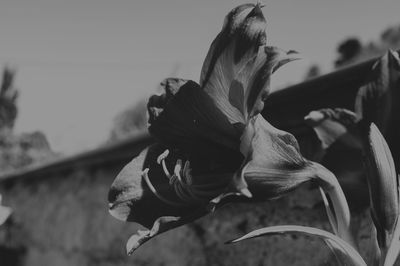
x=81 y=62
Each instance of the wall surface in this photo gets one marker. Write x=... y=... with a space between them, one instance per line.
x=62 y=219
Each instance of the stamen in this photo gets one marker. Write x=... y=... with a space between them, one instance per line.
x=182 y=182
x=164 y=166
x=173 y=179
x=240 y=183
x=162 y=156
x=161 y=160
x=177 y=169
x=187 y=175
x=150 y=185
x=212 y=205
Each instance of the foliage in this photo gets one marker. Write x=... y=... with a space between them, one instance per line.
x=17 y=151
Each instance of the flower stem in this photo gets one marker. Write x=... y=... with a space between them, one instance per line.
x=393 y=251
x=329 y=183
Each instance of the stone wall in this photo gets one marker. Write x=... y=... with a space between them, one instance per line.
x=62 y=219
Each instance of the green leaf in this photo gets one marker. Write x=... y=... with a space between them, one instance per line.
x=343 y=251
x=329 y=212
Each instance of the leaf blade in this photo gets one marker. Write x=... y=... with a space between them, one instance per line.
x=342 y=249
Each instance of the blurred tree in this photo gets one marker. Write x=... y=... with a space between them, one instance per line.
x=348 y=50
x=391 y=37
x=129 y=121
x=17 y=151
x=8 y=97
x=313 y=71
x=352 y=51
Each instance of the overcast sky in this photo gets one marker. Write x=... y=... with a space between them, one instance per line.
x=80 y=62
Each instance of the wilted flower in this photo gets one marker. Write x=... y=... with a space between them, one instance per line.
x=332 y=125
x=211 y=141
x=340 y=149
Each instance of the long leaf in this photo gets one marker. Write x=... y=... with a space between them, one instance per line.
x=341 y=249
x=329 y=212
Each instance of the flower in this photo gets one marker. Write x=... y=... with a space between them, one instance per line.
x=340 y=149
x=212 y=145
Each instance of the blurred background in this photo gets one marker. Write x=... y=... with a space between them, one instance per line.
x=87 y=61
x=76 y=76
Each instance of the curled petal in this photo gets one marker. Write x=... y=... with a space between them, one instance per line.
x=332 y=125
x=238 y=65
x=161 y=225
x=269 y=59
x=130 y=195
x=157 y=103
x=274 y=164
x=340 y=149
x=235 y=48
x=243 y=32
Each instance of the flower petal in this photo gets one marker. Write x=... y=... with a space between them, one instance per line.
x=144 y=193
x=340 y=150
x=157 y=103
x=331 y=125
x=269 y=60
x=161 y=225
x=274 y=165
x=231 y=60
x=244 y=24
x=130 y=197
x=246 y=89
x=190 y=121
